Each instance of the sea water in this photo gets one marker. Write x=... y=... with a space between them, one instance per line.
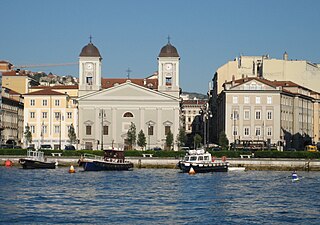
x=157 y=196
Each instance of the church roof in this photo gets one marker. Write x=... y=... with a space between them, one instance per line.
x=168 y=51
x=90 y=51
x=111 y=82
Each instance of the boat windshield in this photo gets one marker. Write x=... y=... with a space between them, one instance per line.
x=193 y=158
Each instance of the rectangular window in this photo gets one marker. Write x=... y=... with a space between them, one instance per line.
x=258 y=100
x=56 y=129
x=57 y=115
x=88 y=130
x=150 y=130
x=258 y=131
x=44 y=102
x=235 y=115
x=32 y=129
x=246 y=131
x=235 y=99
x=166 y=130
x=57 y=102
x=258 y=115
x=44 y=129
x=246 y=114
x=44 y=115
x=246 y=100
x=69 y=115
x=32 y=102
x=269 y=115
x=269 y=131
x=32 y=115
x=105 y=130
x=235 y=130
x=269 y=100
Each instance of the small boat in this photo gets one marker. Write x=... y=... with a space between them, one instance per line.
x=236 y=168
x=202 y=162
x=112 y=160
x=294 y=177
x=36 y=160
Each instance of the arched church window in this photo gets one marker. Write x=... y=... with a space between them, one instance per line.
x=168 y=81
x=128 y=114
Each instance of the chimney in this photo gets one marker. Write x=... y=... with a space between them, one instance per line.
x=285 y=56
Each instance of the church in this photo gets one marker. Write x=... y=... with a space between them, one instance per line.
x=108 y=106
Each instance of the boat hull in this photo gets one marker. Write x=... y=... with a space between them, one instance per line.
x=203 y=167
x=35 y=164
x=103 y=165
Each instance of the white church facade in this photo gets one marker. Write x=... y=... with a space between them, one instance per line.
x=108 y=106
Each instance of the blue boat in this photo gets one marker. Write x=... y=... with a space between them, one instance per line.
x=112 y=160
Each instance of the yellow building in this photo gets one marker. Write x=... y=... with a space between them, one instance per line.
x=18 y=81
x=49 y=112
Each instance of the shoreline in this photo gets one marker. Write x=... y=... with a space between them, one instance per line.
x=170 y=163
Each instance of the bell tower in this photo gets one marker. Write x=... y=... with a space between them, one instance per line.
x=168 y=70
x=89 y=69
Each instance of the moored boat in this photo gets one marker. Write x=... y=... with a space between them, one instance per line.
x=112 y=160
x=36 y=160
x=202 y=162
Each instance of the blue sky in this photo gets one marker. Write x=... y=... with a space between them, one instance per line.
x=129 y=33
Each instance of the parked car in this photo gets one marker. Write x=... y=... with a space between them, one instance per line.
x=157 y=149
x=69 y=147
x=45 y=147
x=184 y=149
x=30 y=148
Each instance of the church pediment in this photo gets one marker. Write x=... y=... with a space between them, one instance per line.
x=128 y=91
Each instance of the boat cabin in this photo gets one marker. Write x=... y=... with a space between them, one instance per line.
x=113 y=154
x=199 y=156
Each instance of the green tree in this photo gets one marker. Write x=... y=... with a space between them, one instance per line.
x=223 y=140
x=197 y=139
x=169 y=140
x=132 y=135
x=141 y=140
x=27 y=134
x=72 y=134
x=181 y=137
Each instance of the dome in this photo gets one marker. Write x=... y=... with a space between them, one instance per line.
x=90 y=51
x=168 y=51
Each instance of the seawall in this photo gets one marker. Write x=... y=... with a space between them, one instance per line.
x=170 y=163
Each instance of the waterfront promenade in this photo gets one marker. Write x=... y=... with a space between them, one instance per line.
x=170 y=163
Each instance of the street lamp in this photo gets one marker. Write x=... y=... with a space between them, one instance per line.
x=234 y=117
x=101 y=115
x=206 y=114
x=60 y=118
x=149 y=127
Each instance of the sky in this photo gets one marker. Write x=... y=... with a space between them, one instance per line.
x=130 y=34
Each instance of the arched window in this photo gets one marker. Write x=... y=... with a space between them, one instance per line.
x=128 y=114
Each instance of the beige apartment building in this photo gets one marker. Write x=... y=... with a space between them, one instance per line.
x=49 y=112
x=257 y=110
x=18 y=81
x=302 y=72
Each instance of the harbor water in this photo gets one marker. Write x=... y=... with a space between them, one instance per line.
x=157 y=196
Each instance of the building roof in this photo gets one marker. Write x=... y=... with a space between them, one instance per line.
x=111 y=82
x=90 y=51
x=55 y=87
x=47 y=91
x=168 y=51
